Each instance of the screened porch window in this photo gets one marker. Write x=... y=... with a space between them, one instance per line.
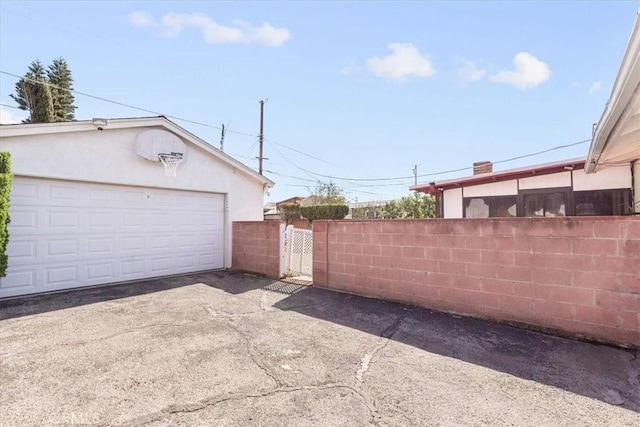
x=494 y=206
x=602 y=202
x=552 y=203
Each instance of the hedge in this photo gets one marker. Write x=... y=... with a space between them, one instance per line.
x=314 y=212
x=5 y=189
x=289 y=211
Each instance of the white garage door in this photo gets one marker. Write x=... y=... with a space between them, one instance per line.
x=67 y=234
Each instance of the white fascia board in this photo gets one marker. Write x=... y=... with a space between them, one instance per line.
x=87 y=125
x=626 y=83
x=215 y=152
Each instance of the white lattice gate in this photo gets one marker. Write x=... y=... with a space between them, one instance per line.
x=298 y=251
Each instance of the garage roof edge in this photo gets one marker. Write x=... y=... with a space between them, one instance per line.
x=127 y=123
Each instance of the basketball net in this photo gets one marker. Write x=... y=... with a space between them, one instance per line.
x=171 y=161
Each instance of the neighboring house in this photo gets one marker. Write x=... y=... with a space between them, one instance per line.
x=91 y=204
x=297 y=222
x=554 y=189
x=616 y=137
x=606 y=183
x=270 y=212
x=290 y=201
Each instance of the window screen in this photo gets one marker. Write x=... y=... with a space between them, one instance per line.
x=485 y=207
x=602 y=202
x=545 y=204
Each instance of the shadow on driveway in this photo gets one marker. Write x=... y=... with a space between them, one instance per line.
x=601 y=372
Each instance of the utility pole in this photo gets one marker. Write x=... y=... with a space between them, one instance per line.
x=261 y=136
x=223 y=133
x=415 y=174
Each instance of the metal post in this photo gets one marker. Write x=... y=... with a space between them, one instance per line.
x=261 y=137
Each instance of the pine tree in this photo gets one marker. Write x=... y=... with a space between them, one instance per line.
x=34 y=96
x=59 y=76
x=35 y=92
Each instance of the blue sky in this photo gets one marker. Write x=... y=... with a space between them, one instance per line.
x=359 y=90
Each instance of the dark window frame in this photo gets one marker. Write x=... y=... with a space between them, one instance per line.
x=621 y=209
x=466 y=200
x=568 y=194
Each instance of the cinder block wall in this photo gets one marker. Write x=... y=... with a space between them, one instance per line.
x=256 y=247
x=579 y=275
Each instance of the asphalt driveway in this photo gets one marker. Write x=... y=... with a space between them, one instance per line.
x=231 y=349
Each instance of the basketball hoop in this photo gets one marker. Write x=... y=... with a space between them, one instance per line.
x=171 y=161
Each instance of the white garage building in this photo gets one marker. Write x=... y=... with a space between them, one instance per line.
x=92 y=204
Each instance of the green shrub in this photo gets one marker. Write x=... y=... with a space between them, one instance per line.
x=289 y=211
x=5 y=189
x=314 y=212
x=5 y=162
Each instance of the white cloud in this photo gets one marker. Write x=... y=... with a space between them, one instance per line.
x=528 y=72
x=141 y=19
x=352 y=68
x=172 y=25
x=469 y=72
x=576 y=85
x=404 y=61
x=595 y=86
x=8 y=117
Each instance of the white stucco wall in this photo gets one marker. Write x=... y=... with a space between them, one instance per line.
x=452 y=203
x=562 y=179
x=611 y=177
x=504 y=188
x=109 y=157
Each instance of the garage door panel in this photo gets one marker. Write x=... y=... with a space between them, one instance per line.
x=63 y=247
x=210 y=260
x=68 y=234
x=134 y=219
x=185 y=219
x=186 y=241
x=97 y=219
x=161 y=265
x=100 y=246
x=24 y=219
x=22 y=250
x=134 y=267
x=63 y=221
x=20 y=281
x=65 y=192
x=132 y=245
x=186 y=262
x=100 y=271
x=161 y=242
x=61 y=276
x=162 y=220
x=24 y=193
x=101 y=195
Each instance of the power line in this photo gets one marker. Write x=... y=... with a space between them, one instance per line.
x=11 y=106
x=301 y=152
x=99 y=98
x=432 y=173
x=543 y=151
x=308 y=172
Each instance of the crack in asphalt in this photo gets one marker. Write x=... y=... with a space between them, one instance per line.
x=264 y=304
x=386 y=335
x=212 y=402
x=253 y=356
